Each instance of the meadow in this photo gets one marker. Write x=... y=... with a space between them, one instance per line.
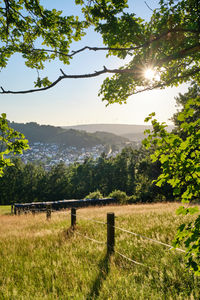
x=5 y=209
x=42 y=259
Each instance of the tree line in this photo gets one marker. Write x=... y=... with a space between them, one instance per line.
x=131 y=171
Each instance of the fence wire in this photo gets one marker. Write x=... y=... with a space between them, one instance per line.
x=88 y=238
x=136 y=234
x=122 y=255
x=147 y=238
x=119 y=253
x=133 y=261
x=92 y=220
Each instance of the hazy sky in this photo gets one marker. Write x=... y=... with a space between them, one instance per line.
x=76 y=101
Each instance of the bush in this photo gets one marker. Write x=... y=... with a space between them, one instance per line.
x=94 y=195
x=132 y=199
x=120 y=196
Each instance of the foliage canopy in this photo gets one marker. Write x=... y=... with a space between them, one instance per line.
x=168 y=43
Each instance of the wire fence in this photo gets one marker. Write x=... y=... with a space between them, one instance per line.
x=73 y=214
x=110 y=233
x=113 y=227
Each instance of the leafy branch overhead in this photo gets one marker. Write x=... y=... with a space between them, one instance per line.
x=169 y=43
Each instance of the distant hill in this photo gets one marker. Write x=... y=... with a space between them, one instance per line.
x=132 y=132
x=69 y=137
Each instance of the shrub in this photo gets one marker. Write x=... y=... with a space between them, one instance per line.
x=120 y=196
x=94 y=195
x=132 y=199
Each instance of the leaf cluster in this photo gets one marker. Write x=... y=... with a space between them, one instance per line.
x=37 y=33
x=11 y=141
x=168 y=44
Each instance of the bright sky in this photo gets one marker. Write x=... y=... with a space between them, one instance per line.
x=76 y=101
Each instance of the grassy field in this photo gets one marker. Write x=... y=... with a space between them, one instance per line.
x=5 y=209
x=42 y=259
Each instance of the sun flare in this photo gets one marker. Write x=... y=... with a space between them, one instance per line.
x=149 y=74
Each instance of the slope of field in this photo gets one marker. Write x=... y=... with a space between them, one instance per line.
x=43 y=260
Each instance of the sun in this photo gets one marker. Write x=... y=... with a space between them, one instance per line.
x=149 y=74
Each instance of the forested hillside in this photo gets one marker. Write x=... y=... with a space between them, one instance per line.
x=70 y=137
x=132 y=132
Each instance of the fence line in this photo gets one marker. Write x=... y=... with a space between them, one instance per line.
x=60 y=204
x=137 y=234
x=48 y=216
x=111 y=237
x=110 y=234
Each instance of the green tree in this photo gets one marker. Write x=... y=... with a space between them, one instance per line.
x=168 y=43
x=57 y=183
x=11 y=183
x=182 y=100
x=180 y=163
x=22 y=183
x=11 y=142
x=124 y=171
x=104 y=174
x=82 y=179
x=31 y=179
x=24 y=23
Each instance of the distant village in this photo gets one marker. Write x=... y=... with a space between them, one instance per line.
x=52 y=154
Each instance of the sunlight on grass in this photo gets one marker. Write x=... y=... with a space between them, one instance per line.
x=41 y=259
x=5 y=210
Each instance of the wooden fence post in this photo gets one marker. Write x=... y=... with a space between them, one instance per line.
x=33 y=210
x=48 y=212
x=73 y=217
x=11 y=209
x=15 y=210
x=110 y=232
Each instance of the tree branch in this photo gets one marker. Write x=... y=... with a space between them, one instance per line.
x=65 y=76
x=144 y=45
x=180 y=54
x=148 y=6
x=97 y=73
x=73 y=53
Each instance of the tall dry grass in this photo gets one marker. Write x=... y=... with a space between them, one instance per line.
x=41 y=259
